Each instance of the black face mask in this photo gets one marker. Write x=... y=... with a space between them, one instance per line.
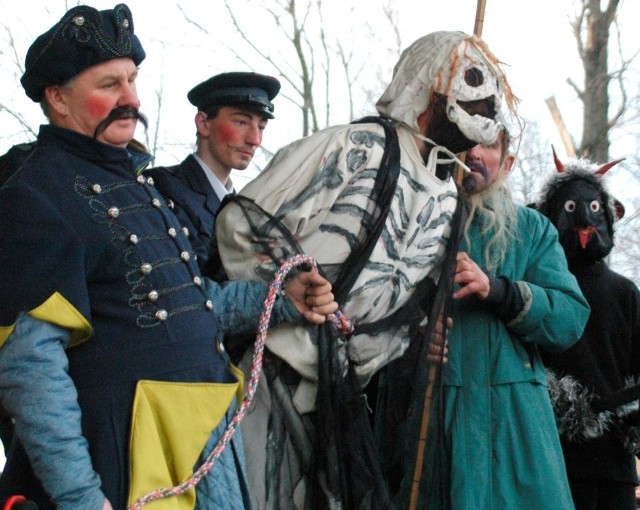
x=120 y=112
x=445 y=132
x=585 y=227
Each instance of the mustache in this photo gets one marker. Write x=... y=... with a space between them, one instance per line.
x=120 y=112
x=469 y=183
x=475 y=166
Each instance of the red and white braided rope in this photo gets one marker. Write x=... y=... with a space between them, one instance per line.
x=338 y=319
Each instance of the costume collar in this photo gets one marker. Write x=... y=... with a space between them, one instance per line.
x=134 y=155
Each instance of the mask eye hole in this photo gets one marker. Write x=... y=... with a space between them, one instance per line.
x=569 y=206
x=595 y=206
x=473 y=77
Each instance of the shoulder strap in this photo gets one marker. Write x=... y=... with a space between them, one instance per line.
x=382 y=194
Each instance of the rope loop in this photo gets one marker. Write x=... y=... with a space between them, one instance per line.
x=338 y=319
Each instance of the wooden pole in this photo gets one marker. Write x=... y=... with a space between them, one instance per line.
x=477 y=27
x=562 y=128
x=422 y=436
x=432 y=378
x=434 y=368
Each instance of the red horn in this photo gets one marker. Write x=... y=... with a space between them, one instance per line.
x=559 y=165
x=606 y=167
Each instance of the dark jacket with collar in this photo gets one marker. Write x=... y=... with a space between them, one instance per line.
x=111 y=267
x=195 y=203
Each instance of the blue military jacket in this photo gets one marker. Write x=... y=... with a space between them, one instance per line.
x=195 y=203
x=91 y=246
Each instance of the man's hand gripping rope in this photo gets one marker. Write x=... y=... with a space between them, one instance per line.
x=275 y=288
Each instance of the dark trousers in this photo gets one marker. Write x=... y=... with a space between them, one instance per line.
x=603 y=495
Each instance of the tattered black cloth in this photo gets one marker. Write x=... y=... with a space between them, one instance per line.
x=344 y=468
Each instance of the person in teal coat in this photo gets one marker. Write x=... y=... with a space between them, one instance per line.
x=492 y=441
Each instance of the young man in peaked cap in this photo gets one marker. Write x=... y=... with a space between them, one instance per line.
x=233 y=112
x=111 y=355
x=252 y=91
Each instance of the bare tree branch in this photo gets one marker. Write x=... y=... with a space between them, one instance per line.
x=21 y=120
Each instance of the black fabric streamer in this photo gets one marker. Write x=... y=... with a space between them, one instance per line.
x=346 y=473
x=347 y=456
x=440 y=309
x=381 y=195
x=403 y=382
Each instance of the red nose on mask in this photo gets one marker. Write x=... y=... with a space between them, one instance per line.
x=584 y=234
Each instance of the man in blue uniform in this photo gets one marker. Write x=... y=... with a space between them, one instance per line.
x=111 y=355
x=233 y=112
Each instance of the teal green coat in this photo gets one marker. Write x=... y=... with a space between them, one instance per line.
x=500 y=448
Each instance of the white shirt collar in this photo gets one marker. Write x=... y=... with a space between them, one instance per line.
x=219 y=188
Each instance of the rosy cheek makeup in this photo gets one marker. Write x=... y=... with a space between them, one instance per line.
x=99 y=107
x=225 y=134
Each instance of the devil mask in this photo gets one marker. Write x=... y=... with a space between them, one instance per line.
x=577 y=203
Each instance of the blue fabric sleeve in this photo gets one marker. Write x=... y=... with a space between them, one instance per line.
x=37 y=391
x=238 y=305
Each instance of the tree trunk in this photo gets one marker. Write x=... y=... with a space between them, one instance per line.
x=594 y=55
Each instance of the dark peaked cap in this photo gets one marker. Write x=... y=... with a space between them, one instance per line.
x=249 y=90
x=82 y=38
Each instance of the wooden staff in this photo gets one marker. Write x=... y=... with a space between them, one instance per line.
x=434 y=368
x=477 y=27
x=422 y=436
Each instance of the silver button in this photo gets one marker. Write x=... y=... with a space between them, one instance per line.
x=208 y=304
x=220 y=347
x=146 y=268
x=185 y=230
x=171 y=204
x=162 y=315
x=153 y=295
x=141 y=179
x=527 y=365
x=133 y=239
x=197 y=281
x=172 y=232
x=113 y=212
x=79 y=20
x=125 y=23
x=96 y=188
x=150 y=181
x=185 y=256
x=156 y=203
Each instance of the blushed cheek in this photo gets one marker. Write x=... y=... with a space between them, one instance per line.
x=99 y=108
x=226 y=134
